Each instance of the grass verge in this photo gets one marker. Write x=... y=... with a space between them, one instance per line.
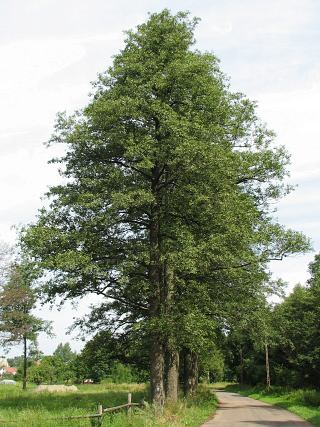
x=18 y=408
x=305 y=403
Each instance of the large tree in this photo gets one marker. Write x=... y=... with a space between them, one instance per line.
x=169 y=179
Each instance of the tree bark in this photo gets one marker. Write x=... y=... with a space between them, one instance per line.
x=241 y=365
x=24 y=378
x=268 y=381
x=172 y=375
x=172 y=354
x=157 y=373
x=190 y=373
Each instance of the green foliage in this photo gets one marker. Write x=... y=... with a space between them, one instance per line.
x=299 y=351
x=97 y=357
x=16 y=361
x=121 y=373
x=51 y=370
x=117 y=359
x=64 y=352
x=213 y=366
x=17 y=300
x=291 y=330
x=56 y=369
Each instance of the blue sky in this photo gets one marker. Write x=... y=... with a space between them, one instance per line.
x=50 y=50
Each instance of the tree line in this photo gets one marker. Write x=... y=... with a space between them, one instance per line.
x=109 y=362
x=290 y=329
x=166 y=205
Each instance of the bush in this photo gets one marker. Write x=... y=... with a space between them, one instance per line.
x=308 y=397
x=121 y=373
x=284 y=376
x=51 y=370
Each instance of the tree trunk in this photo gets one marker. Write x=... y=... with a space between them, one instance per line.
x=24 y=379
x=268 y=382
x=190 y=373
x=172 y=354
x=241 y=366
x=157 y=372
x=155 y=303
x=172 y=375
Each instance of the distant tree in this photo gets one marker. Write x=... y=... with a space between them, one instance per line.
x=18 y=298
x=297 y=356
x=121 y=373
x=98 y=356
x=264 y=334
x=251 y=332
x=35 y=354
x=52 y=370
x=65 y=352
x=114 y=357
x=16 y=361
x=288 y=333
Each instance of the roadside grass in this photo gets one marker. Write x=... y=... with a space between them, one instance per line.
x=31 y=409
x=303 y=402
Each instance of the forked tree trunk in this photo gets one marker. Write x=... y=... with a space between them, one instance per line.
x=172 y=375
x=190 y=373
x=268 y=381
x=24 y=376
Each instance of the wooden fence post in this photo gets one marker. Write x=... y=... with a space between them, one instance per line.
x=100 y=412
x=129 y=410
x=96 y=421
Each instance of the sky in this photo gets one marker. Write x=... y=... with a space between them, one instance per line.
x=50 y=51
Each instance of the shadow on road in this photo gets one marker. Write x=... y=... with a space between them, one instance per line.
x=278 y=423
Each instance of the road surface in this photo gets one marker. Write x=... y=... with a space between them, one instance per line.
x=239 y=411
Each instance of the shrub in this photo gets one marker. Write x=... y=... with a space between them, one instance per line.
x=308 y=397
x=121 y=373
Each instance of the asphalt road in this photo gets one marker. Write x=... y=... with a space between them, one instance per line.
x=239 y=411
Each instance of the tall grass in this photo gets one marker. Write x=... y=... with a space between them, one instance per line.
x=31 y=409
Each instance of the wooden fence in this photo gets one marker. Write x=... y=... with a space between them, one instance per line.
x=97 y=418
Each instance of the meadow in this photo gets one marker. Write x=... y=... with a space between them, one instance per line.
x=28 y=408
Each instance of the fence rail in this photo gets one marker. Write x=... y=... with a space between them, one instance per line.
x=97 y=417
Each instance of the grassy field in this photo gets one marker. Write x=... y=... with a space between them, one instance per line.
x=305 y=403
x=30 y=409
